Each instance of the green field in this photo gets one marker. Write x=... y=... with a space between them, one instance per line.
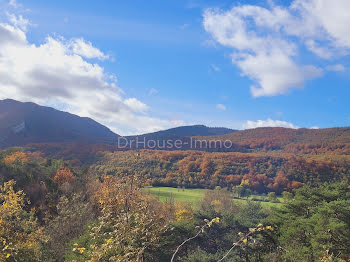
x=183 y=195
x=191 y=196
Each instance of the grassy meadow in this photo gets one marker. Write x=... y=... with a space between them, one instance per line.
x=184 y=195
x=194 y=195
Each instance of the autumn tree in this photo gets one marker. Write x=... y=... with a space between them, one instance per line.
x=21 y=237
x=64 y=175
x=16 y=157
x=183 y=211
x=280 y=182
x=130 y=223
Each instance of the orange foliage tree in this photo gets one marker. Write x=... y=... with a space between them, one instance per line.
x=20 y=157
x=64 y=175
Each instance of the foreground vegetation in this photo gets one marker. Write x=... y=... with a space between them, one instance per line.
x=51 y=211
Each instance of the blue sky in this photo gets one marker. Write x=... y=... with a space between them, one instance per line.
x=174 y=58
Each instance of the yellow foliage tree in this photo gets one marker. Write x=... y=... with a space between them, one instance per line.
x=20 y=157
x=129 y=224
x=183 y=212
x=20 y=235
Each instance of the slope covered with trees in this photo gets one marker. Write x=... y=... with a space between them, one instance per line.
x=53 y=211
x=290 y=140
x=259 y=172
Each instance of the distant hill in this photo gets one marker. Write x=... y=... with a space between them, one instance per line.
x=273 y=138
x=23 y=123
x=182 y=133
x=188 y=131
x=263 y=138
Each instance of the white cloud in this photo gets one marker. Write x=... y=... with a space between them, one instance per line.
x=314 y=127
x=56 y=72
x=153 y=91
x=136 y=105
x=268 y=123
x=275 y=73
x=10 y=35
x=221 y=107
x=266 y=41
x=209 y=43
x=184 y=26
x=14 y=3
x=177 y=123
x=84 y=48
x=336 y=68
x=328 y=19
x=19 y=21
x=322 y=52
x=215 y=68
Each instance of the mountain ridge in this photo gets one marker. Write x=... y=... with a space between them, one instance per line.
x=27 y=122
x=23 y=123
x=188 y=131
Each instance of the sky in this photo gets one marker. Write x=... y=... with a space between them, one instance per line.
x=141 y=66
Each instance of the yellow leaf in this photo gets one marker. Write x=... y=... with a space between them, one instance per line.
x=270 y=228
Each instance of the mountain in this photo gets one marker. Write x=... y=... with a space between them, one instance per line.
x=182 y=133
x=189 y=131
x=29 y=123
x=23 y=123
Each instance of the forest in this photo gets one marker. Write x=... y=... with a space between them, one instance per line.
x=58 y=210
x=259 y=172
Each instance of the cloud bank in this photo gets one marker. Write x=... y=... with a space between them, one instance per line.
x=67 y=72
x=268 y=123
x=266 y=42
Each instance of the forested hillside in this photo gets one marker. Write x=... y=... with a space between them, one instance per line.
x=260 y=172
x=74 y=194
x=53 y=212
x=323 y=144
x=290 y=140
